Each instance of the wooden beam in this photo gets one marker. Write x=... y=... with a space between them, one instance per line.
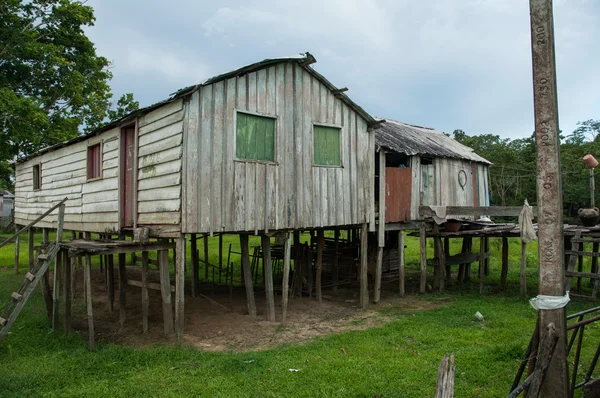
x=122 y=287
x=286 y=276
x=364 y=245
x=492 y=211
x=378 y=275
x=145 y=296
x=67 y=296
x=195 y=265
x=319 y=267
x=180 y=287
x=30 y=247
x=423 y=257
x=268 y=276
x=58 y=262
x=401 y=262
x=165 y=283
x=151 y=285
x=87 y=272
x=335 y=265
x=441 y=263
x=247 y=275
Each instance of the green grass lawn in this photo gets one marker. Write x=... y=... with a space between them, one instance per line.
x=399 y=359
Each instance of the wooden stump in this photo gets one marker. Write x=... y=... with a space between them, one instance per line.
x=247 y=275
x=286 y=276
x=268 y=276
x=364 y=245
x=165 y=291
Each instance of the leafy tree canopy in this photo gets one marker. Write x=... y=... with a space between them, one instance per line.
x=52 y=81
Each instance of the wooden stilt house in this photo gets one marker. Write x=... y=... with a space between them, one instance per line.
x=271 y=146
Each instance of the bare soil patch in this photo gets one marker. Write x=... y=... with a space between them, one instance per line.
x=211 y=327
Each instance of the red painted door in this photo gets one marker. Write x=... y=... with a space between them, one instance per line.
x=127 y=176
x=398 y=187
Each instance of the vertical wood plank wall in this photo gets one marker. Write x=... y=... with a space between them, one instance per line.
x=225 y=194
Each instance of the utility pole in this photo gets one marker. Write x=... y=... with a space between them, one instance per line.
x=549 y=191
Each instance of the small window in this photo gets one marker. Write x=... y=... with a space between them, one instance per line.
x=255 y=137
x=327 y=146
x=37 y=177
x=94 y=162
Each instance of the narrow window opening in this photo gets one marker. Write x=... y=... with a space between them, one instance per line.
x=94 y=162
x=37 y=177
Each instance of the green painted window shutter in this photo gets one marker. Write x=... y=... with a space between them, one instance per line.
x=327 y=146
x=255 y=137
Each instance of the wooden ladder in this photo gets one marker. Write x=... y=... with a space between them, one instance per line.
x=19 y=298
x=574 y=253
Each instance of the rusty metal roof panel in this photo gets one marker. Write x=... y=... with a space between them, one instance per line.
x=416 y=140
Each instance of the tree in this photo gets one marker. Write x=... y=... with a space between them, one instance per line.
x=52 y=82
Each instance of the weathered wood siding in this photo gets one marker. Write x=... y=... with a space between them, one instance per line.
x=92 y=206
x=222 y=193
x=447 y=191
x=160 y=151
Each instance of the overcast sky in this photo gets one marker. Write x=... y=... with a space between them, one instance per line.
x=447 y=64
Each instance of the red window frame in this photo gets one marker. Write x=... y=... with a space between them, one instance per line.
x=94 y=161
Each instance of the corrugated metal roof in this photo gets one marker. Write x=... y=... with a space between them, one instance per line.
x=416 y=140
x=303 y=59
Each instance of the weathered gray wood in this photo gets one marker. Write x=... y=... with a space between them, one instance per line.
x=58 y=264
x=493 y=211
x=286 y=276
x=335 y=266
x=382 y=197
x=67 y=295
x=320 y=248
x=122 y=288
x=268 y=275
x=145 y=296
x=87 y=272
x=180 y=287
x=504 y=272
x=30 y=247
x=378 y=275
x=401 y=270
x=423 y=257
x=17 y=243
x=441 y=263
x=364 y=246
x=165 y=282
x=247 y=275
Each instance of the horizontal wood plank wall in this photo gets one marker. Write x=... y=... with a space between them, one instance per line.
x=92 y=206
x=160 y=150
x=225 y=194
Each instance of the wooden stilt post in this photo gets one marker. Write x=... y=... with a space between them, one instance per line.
x=247 y=275
x=286 y=276
x=364 y=246
x=380 y=227
x=180 y=287
x=122 y=287
x=401 y=275
x=145 y=296
x=481 y=264
x=44 y=282
x=165 y=290
x=486 y=241
x=87 y=272
x=504 y=273
x=58 y=263
x=220 y=256
x=446 y=257
x=205 y=241
x=523 y=271
x=320 y=247
x=441 y=262
x=268 y=276
x=67 y=296
x=378 y=275
x=579 y=267
x=30 y=245
x=298 y=256
x=110 y=280
x=17 y=244
x=335 y=270
x=423 y=251
x=195 y=276
x=549 y=193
